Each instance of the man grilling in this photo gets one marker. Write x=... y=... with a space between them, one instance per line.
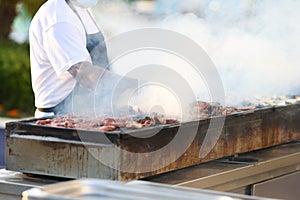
x=66 y=50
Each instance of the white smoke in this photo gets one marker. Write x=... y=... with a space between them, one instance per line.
x=254 y=44
x=254 y=49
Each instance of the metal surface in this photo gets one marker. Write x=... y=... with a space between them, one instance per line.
x=14 y=183
x=137 y=190
x=222 y=175
x=284 y=187
x=59 y=152
x=179 y=189
x=63 y=158
x=242 y=190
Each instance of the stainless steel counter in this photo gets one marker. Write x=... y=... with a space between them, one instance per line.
x=12 y=184
x=239 y=177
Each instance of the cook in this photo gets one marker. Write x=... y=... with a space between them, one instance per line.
x=67 y=51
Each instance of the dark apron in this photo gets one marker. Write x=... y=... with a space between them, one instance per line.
x=95 y=43
x=81 y=101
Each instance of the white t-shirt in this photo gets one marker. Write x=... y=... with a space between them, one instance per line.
x=57 y=42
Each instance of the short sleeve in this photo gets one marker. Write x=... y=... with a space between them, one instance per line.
x=65 y=46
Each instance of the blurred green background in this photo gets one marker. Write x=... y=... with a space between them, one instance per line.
x=16 y=96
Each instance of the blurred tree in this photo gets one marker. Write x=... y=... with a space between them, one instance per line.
x=8 y=13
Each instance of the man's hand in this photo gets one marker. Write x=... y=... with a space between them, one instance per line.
x=103 y=82
x=86 y=74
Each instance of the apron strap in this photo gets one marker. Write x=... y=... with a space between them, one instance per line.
x=75 y=11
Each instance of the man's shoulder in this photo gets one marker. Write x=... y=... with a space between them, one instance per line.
x=52 y=12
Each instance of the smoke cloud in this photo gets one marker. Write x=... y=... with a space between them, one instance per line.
x=253 y=44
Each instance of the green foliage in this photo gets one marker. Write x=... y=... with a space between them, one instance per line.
x=15 y=80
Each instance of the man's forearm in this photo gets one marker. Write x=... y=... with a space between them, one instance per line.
x=108 y=82
x=86 y=74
